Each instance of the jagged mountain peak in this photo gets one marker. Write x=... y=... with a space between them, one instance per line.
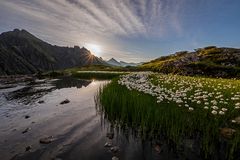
x=113 y=62
x=30 y=54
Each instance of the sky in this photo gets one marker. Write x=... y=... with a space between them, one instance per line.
x=128 y=30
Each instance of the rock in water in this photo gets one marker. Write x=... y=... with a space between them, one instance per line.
x=65 y=101
x=27 y=116
x=115 y=158
x=157 y=148
x=110 y=135
x=41 y=101
x=108 y=144
x=28 y=148
x=115 y=149
x=56 y=158
x=46 y=140
x=237 y=119
x=26 y=130
x=227 y=132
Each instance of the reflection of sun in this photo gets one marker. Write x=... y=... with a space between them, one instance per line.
x=93 y=82
x=95 y=49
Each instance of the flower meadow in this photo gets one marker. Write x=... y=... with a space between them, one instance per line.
x=216 y=96
x=177 y=108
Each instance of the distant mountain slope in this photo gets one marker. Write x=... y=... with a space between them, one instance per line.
x=23 y=53
x=129 y=64
x=114 y=62
x=208 y=61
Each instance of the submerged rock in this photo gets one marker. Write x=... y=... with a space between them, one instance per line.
x=27 y=116
x=108 y=144
x=237 y=120
x=227 y=132
x=7 y=86
x=56 y=158
x=115 y=149
x=46 y=140
x=28 y=148
x=41 y=101
x=65 y=101
x=115 y=158
x=26 y=130
x=110 y=135
x=157 y=148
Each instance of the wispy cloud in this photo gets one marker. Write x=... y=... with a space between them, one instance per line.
x=80 y=21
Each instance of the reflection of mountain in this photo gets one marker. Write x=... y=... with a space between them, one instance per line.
x=35 y=90
x=29 y=94
x=68 y=82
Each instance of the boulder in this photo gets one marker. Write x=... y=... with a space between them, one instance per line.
x=46 y=140
x=227 y=132
x=65 y=101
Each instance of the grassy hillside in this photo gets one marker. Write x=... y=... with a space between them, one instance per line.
x=208 y=61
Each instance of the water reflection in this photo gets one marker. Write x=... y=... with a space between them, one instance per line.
x=68 y=82
x=32 y=91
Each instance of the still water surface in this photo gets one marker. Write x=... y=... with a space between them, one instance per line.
x=78 y=131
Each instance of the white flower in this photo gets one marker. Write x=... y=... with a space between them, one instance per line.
x=206 y=103
x=221 y=112
x=234 y=121
x=205 y=107
x=190 y=109
x=224 y=109
x=237 y=104
x=214 y=107
x=214 y=112
x=179 y=101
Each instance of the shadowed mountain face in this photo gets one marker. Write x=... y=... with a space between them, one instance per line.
x=23 y=53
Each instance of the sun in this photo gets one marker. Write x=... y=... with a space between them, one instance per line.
x=95 y=49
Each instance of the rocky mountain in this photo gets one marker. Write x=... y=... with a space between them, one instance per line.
x=114 y=62
x=208 y=61
x=124 y=64
x=23 y=53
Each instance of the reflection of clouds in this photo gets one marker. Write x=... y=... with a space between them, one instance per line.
x=80 y=21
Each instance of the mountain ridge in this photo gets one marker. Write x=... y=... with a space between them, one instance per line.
x=209 y=61
x=114 y=62
x=30 y=54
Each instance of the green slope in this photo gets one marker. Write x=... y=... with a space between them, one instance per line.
x=208 y=61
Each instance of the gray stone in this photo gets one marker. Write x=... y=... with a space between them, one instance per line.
x=65 y=101
x=46 y=140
